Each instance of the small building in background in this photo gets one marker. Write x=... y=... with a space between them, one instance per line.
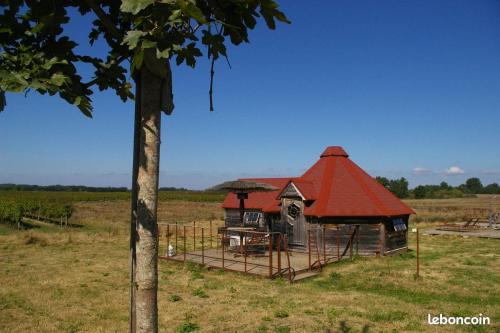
x=334 y=194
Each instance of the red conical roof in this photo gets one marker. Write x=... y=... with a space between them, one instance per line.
x=346 y=190
x=336 y=186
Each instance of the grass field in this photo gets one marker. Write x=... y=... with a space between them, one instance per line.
x=76 y=280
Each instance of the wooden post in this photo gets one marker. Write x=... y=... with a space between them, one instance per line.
x=194 y=235
x=245 y=255
x=309 y=246
x=222 y=243
x=176 y=232
x=185 y=243
x=418 y=258
x=357 y=239
x=288 y=260
x=210 y=233
x=168 y=240
x=324 y=244
x=338 y=242
x=270 y=256
x=241 y=242
x=279 y=253
x=351 y=239
x=202 y=246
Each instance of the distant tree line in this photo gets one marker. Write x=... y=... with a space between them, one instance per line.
x=74 y=188
x=471 y=187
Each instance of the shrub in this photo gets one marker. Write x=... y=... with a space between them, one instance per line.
x=187 y=327
x=174 y=298
x=200 y=293
x=281 y=314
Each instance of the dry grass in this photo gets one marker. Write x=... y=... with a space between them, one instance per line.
x=453 y=210
x=58 y=281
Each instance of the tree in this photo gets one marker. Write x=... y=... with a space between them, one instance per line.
x=399 y=187
x=444 y=185
x=384 y=182
x=420 y=192
x=37 y=54
x=493 y=188
x=473 y=185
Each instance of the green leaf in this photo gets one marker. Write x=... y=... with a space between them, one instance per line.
x=58 y=79
x=190 y=9
x=147 y=44
x=134 y=6
x=132 y=38
x=137 y=59
x=163 y=54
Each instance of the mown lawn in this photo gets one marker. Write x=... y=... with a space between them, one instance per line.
x=58 y=281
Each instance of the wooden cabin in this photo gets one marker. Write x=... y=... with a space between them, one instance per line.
x=333 y=194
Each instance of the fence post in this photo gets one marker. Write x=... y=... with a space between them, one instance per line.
x=270 y=256
x=288 y=259
x=338 y=243
x=309 y=247
x=418 y=258
x=351 y=239
x=279 y=253
x=176 y=232
x=184 y=243
x=324 y=244
x=202 y=246
x=194 y=236
x=210 y=233
x=357 y=239
x=168 y=240
x=223 y=236
x=245 y=255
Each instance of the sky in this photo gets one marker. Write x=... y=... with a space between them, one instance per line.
x=408 y=88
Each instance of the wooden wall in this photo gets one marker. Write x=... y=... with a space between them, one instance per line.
x=366 y=240
x=375 y=235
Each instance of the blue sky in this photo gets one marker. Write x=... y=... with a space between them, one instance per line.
x=409 y=89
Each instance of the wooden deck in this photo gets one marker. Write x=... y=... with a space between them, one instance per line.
x=254 y=264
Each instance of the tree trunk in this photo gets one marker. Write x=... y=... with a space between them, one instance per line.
x=146 y=276
x=133 y=201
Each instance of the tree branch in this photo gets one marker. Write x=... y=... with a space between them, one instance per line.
x=94 y=81
x=210 y=92
x=104 y=19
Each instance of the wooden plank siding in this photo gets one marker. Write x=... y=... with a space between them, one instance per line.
x=375 y=236
x=366 y=241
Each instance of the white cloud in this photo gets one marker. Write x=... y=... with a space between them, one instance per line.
x=454 y=170
x=421 y=171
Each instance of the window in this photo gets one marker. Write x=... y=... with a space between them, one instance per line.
x=399 y=224
x=252 y=217
x=293 y=211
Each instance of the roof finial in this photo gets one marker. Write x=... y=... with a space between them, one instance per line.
x=334 y=151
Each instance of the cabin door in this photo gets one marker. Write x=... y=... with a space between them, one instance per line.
x=299 y=231
x=292 y=214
